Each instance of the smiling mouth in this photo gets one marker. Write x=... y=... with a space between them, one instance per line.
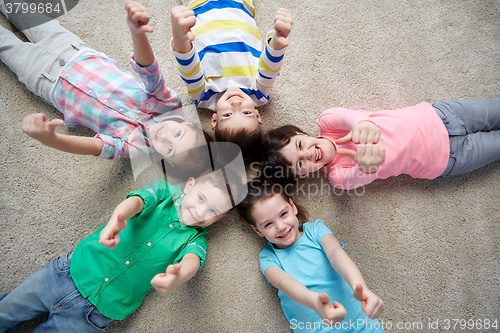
x=158 y=132
x=192 y=216
x=286 y=234
x=318 y=154
x=233 y=95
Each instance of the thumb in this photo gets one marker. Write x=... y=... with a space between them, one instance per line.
x=121 y=221
x=190 y=35
x=345 y=139
x=54 y=123
x=336 y=304
x=174 y=269
x=347 y=152
x=358 y=292
x=146 y=28
x=324 y=298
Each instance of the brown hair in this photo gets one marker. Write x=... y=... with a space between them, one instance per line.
x=273 y=163
x=249 y=142
x=261 y=189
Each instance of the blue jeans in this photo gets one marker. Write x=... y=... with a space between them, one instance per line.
x=474 y=131
x=51 y=291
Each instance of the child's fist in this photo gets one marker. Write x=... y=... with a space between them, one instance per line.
x=109 y=234
x=35 y=126
x=282 y=26
x=332 y=313
x=164 y=283
x=371 y=304
x=368 y=156
x=364 y=132
x=183 y=19
x=137 y=18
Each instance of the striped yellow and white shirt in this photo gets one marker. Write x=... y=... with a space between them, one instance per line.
x=227 y=52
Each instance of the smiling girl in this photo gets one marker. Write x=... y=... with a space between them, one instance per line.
x=308 y=266
x=355 y=147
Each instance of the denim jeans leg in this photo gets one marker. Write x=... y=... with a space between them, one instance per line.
x=51 y=290
x=474 y=129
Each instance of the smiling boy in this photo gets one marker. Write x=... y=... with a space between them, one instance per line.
x=219 y=52
x=155 y=238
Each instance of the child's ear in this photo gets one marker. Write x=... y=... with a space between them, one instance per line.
x=189 y=185
x=257 y=115
x=257 y=231
x=294 y=208
x=213 y=122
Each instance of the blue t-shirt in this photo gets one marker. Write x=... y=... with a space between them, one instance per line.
x=306 y=262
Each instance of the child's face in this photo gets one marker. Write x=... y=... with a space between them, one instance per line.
x=170 y=138
x=235 y=109
x=276 y=219
x=203 y=203
x=307 y=154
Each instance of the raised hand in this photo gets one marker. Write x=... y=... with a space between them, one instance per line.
x=109 y=234
x=364 y=132
x=165 y=283
x=183 y=19
x=137 y=18
x=369 y=157
x=371 y=304
x=35 y=126
x=282 y=26
x=333 y=313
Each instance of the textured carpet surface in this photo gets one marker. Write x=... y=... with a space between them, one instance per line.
x=429 y=248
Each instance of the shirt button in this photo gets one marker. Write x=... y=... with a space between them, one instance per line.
x=121 y=109
x=105 y=101
x=137 y=117
x=148 y=105
x=149 y=243
x=62 y=62
x=176 y=204
x=90 y=91
x=171 y=226
x=127 y=262
x=106 y=279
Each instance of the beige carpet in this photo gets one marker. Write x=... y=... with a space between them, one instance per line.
x=429 y=249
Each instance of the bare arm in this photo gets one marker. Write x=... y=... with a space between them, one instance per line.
x=35 y=125
x=118 y=221
x=137 y=20
x=371 y=304
x=300 y=294
x=177 y=274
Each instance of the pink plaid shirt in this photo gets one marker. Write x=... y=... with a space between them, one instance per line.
x=94 y=92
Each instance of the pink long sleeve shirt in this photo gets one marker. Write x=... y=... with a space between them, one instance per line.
x=415 y=139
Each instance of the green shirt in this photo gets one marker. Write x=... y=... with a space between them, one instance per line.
x=116 y=281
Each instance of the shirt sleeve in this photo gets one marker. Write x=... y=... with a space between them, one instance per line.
x=189 y=68
x=154 y=84
x=269 y=66
x=152 y=195
x=112 y=147
x=341 y=120
x=349 y=178
x=196 y=246
x=267 y=258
